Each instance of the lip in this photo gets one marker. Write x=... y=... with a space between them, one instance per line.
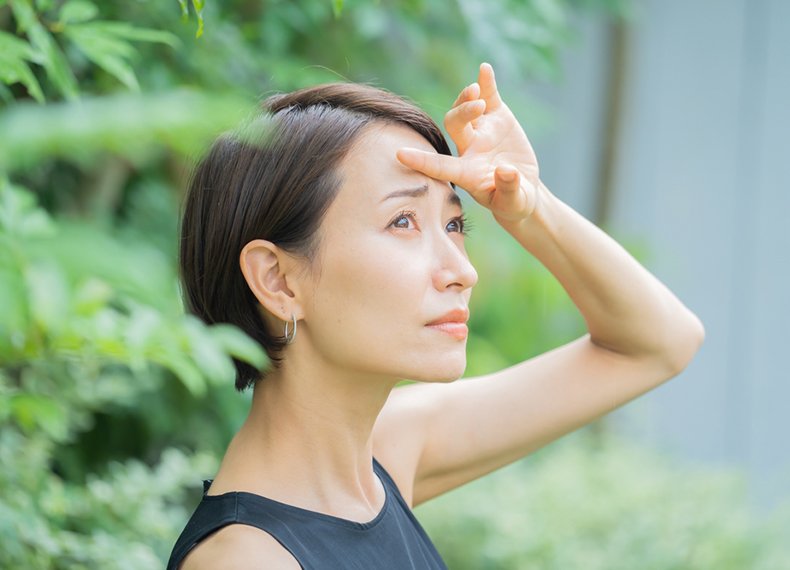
x=458 y=330
x=456 y=316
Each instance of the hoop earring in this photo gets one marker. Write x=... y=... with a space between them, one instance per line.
x=287 y=339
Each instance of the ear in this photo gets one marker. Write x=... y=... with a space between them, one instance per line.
x=268 y=271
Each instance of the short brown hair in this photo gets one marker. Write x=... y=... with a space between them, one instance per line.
x=278 y=191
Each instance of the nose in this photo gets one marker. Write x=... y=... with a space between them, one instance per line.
x=455 y=269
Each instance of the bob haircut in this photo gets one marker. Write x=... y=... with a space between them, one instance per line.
x=274 y=179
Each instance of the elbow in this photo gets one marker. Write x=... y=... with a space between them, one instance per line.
x=685 y=343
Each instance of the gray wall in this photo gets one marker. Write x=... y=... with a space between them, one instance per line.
x=702 y=173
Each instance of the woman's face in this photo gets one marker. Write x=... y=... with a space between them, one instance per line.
x=385 y=275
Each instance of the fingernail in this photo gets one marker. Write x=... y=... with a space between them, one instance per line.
x=508 y=175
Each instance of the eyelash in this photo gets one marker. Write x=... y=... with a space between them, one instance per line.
x=466 y=225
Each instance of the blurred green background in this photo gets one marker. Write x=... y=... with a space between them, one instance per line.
x=114 y=404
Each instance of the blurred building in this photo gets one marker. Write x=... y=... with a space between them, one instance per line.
x=676 y=129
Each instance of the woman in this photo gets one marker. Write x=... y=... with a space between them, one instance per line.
x=343 y=218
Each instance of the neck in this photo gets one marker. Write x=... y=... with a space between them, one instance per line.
x=307 y=440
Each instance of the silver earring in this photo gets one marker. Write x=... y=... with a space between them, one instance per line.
x=287 y=339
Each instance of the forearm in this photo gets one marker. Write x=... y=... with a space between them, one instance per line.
x=626 y=308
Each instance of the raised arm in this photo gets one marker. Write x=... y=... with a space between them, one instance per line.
x=640 y=333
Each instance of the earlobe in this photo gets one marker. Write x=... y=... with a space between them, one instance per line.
x=262 y=265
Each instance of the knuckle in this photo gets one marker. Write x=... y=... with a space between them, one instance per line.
x=450 y=120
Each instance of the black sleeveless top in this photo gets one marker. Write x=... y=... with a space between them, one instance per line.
x=394 y=540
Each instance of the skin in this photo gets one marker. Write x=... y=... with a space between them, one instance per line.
x=316 y=423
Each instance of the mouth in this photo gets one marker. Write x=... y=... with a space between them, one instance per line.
x=453 y=328
x=459 y=315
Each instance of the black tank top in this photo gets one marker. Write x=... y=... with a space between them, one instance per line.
x=394 y=540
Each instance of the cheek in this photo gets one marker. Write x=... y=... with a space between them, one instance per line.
x=376 y=278
x=371 y=295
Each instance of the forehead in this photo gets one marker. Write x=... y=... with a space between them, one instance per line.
x=371 y=168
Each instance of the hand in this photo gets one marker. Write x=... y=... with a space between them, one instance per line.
x=495 y=163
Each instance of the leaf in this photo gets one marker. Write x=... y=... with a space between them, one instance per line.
x=24 y=14
x=337 y=7
x=102 y=43
x=14 y=313
x=20 y=214
x=77 y=11
x=34 y=410
x=199 y=4
x=207 y=352
x=129 y=32
x=134 y=270
x=105 y=51
x=13 y=69
x=184 y=10
x=92 y=295
x=53 y=60
x=133 y=126
x=49 y=294
x=17 y=71
x=237 y=343
x=143 y=325
x=6 y=95
x=17 y=48
x=186 y=371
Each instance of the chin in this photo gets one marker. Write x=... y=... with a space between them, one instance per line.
x=446 y=376
x=438 y=366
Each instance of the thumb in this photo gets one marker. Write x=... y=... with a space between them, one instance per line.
x=507 y=180
x=509 y=197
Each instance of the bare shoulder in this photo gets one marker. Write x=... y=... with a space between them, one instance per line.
x=239 y=547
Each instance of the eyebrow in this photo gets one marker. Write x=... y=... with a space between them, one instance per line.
x=420 y=191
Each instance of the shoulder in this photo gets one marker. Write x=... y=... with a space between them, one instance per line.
x=239 y=547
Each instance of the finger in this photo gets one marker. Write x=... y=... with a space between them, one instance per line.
x=488 y=88
x=508 y=188
x=457 y=122
x=509 y=194
x=439 y=166
x=469 y=93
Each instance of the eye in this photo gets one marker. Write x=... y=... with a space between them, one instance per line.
x=464 y=223
x=404 y=214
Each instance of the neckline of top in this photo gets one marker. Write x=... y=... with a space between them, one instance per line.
x=322 y=516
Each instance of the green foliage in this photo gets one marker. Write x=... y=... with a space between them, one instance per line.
x=605 y=504
x=14 y=53
x=198 y=5
x=105 y=44
x=102 y=42
x=47 y=50
x=81 y=338
x=127 y=518
x=137 y=127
